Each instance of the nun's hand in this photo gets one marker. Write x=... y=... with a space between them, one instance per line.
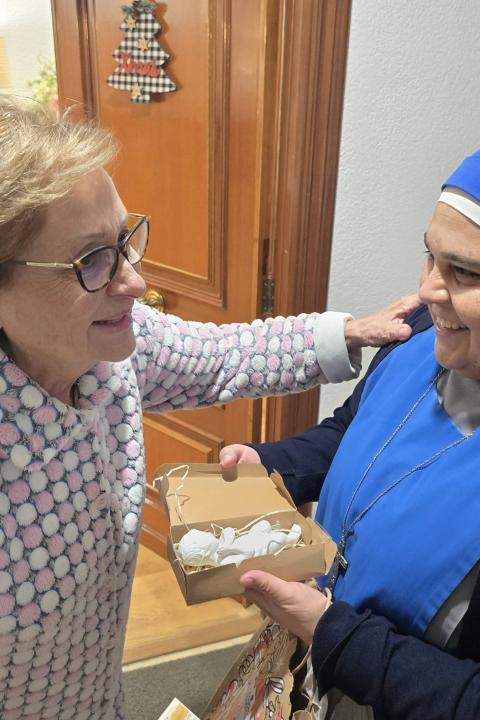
x=384 y=326
x=294 y=605
x=232 y=455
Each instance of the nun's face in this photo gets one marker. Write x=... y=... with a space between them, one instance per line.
x=450 y=285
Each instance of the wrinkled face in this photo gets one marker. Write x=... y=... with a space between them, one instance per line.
x=52 y=324
x=450 y=285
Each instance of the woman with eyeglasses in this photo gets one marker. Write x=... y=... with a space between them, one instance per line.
x=80 y=360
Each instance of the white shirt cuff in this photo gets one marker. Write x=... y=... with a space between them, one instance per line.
x=336 y=361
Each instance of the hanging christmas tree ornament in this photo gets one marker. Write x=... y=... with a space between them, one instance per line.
x=139 y=56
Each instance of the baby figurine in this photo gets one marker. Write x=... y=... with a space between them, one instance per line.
x=198 y=548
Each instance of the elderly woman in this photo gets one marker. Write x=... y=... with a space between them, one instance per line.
x=398 y=468
x=79 y=362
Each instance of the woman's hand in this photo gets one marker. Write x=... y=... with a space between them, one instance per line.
x=382 y=327
x=237 y=454
x=294 y=605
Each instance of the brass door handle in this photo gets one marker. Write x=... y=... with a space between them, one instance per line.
x=153 y=299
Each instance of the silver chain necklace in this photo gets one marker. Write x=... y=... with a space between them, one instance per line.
x=340 y=560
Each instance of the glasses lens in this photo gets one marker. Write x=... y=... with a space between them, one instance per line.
x=98 y=267
x=137 y=243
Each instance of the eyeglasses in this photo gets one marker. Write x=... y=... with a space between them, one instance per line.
x=97 y=267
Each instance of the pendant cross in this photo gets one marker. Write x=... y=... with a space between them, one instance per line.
x=339 y=561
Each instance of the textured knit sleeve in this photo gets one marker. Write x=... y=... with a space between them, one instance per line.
x=401 y=677
x=189 y=364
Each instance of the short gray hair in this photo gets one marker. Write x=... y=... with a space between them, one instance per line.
x=41 y=158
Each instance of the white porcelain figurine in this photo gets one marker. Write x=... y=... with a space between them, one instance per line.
x=198 y=548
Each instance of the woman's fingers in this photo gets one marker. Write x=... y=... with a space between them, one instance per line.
x=384 y=326
x=407 y=304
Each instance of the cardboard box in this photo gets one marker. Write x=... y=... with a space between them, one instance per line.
x=233 y=498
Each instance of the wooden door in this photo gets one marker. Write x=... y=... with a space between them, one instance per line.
x=216 y=164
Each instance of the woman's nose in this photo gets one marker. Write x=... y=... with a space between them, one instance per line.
x=127 y=280
x=433 y=288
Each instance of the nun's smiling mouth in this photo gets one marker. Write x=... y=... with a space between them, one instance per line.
x=444 y=324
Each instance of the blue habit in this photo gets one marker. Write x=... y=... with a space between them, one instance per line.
x=413 y=548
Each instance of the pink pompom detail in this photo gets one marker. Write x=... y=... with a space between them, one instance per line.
x=36 y=442
x=75 y=553
x=28 y=614
x=44 y=580
x=56 y=545
x=7 y=603
x=21 y=571
x=55 y=470
x=103 y=370
x=74 y=480
x=287 y=378
x=260 y=345
x=9 y=403
x=9 y=526
x=92 y=490
x=18 y=491
x=273 y=363
x=65 y=512
x=287 y=344
x=14 y=375
x=256 y=379
x=83 y=520
x=44 y=415
x=114 y=414
x=9 y=434
x=308 y=340
x=127 y=476
x=32 y=536
x=298 y=359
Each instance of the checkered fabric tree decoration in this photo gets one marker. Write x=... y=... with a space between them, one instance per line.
x=139 y=56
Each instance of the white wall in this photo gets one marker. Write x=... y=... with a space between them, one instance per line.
x=26 y=26
x=411 y=113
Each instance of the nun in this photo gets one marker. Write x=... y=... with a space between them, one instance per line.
x=395 y=630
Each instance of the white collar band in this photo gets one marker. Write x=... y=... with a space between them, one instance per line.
x=465 y=204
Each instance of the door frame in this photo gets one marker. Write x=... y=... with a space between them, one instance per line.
x=311 y=68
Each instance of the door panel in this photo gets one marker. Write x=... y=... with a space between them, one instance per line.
x=171 y=137
x=219 y=164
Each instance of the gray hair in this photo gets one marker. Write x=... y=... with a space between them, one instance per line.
x=41 y=158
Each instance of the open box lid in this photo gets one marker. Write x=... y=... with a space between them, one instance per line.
x=209 y=493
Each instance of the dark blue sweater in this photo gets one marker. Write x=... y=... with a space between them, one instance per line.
x=363 y=655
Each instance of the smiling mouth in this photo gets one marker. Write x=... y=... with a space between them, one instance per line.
x=120 y=319
x=444 y=324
